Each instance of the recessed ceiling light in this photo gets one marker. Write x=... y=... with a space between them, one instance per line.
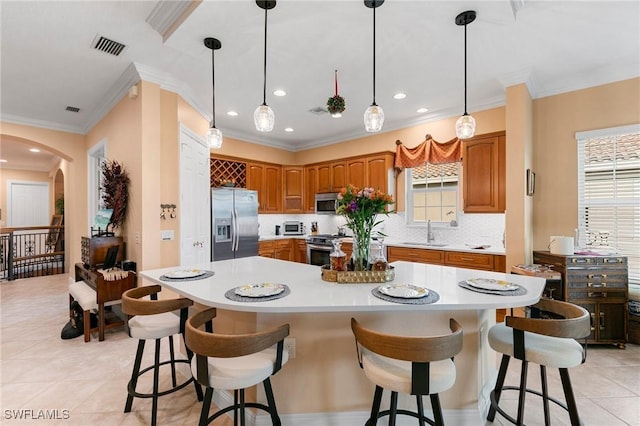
x=400 y=95
x=336 y=115
x=279 y=92
x=232 y=113
x=2 y=160
x=422 y=110
x=288 y=129
x=34 y=150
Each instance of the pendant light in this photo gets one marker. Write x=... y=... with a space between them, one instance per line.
x=263 y=116
x=373 y=116
x=466 y=124
x=214 y=135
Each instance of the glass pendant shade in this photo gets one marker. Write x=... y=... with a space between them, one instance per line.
x=214 y=138
x=373 y=118
x=264 y=118
x=465 y=127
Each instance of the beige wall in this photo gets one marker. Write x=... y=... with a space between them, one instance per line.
x=556 y=120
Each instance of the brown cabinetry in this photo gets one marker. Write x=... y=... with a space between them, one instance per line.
x=409 y=254
x=483 y=165
x=600 y=285
x=469 y=260
x=310 y=188
x=267 y=180
x=283 y=249
x=278 y=249
x=486 y=262
x=300 y=247
x=293 y=189
x=357 y=172
x=266 y=248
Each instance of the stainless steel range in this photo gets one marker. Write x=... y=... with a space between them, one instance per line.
x=319 y=247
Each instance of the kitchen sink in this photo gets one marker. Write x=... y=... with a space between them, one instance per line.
x=425 y=244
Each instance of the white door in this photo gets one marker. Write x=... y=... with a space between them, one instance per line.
x=195 y=209
x=28 y=204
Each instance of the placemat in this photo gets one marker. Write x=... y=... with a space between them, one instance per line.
x=432 y=297
x=520 y=291
x=231 y=295
x=207 y=274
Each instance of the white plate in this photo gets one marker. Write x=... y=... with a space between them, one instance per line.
x=259 y=290
x=404 y=291
x=186 y=273
x=490 y=284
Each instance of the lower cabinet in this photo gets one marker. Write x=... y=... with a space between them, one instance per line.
x=486 y=262
x=292 y=249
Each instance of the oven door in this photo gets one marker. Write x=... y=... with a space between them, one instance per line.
x=317 y=254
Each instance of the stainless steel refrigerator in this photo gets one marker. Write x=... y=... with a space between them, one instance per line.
x=234 y=223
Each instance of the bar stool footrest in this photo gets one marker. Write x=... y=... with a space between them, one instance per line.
x=136 y=394
x=406 y=413
x=495 y=405
x=237 y=406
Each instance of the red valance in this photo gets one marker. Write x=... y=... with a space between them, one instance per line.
x=429 y=151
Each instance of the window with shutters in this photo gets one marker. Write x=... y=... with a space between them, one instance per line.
x=432 y=193
x=609 y=192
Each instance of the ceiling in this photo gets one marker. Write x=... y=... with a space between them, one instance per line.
x=48 y=63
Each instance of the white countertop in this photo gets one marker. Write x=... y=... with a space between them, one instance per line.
x=309 y=293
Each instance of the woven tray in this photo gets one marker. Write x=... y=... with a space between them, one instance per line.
x=355 y=277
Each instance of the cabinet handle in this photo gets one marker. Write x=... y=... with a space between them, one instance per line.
x=601 y=323
x=597 y=285
x=591 y=276
x=593 y=320
x=598 y=294
x=467 y=259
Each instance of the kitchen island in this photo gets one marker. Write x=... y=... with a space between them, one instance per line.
x=323 y=384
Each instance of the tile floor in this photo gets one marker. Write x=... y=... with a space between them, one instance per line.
x=86 y=382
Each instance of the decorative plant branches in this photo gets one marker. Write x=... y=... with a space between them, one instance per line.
x=115 y=187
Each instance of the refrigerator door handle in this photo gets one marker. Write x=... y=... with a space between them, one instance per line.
x=236 y=231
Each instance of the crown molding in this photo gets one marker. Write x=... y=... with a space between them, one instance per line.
x=16 y=119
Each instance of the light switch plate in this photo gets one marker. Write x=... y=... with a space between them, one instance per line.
x=166 y=235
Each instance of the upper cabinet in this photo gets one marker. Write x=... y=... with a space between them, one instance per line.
x=267 y=180
x=484 y=173
x=294 y=189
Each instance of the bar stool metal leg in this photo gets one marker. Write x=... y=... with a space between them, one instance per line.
x=134 y=375
x=437 y=409
x=420 y=410
x=569 y=397
x=206 y=406
x=497 y=390
x=522 y=393
x=375 y=407
x=545 y=395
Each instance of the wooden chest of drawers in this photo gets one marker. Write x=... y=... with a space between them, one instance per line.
x=600 y=285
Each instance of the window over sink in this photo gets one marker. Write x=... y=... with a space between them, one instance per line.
x=432 y=193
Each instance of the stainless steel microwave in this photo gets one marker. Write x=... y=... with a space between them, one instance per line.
x=326 y=203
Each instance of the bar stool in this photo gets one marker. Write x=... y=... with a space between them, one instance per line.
x=235 y=362
x=546 y=339
x=155 y=319
x=411 y=365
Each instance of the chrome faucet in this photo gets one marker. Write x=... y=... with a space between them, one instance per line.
x=430 y=236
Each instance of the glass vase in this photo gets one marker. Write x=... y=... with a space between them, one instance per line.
x=361 y=242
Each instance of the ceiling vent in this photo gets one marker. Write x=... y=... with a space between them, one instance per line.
x=72 y=109
x=318 y=111
x=106 y=45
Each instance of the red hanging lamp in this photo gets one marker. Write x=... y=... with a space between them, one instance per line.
x=336 y=104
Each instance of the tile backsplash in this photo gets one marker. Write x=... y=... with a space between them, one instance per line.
x=472 y=228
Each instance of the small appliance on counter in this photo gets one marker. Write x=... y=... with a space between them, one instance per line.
x=291 y=227
x=314 y=228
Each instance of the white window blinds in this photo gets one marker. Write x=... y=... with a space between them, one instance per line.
x=609 y=192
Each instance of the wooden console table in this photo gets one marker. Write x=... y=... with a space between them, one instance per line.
x=106 y=291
